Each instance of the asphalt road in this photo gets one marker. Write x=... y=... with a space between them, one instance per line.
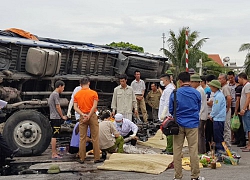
x=239 y=172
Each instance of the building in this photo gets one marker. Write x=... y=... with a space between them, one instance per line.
x=216 y=58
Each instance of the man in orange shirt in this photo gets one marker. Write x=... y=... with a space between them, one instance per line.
x=85 y=103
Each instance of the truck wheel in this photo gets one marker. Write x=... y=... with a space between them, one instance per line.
x=144 y=72
x=143 y=62
x=29 y=130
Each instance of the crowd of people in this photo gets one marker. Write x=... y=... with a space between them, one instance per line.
x=88 y=133
x=204 y=108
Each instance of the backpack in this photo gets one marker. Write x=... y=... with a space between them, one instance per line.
x=169 y=126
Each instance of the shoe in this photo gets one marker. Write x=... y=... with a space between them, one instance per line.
x=14 y=153
x=104 y=155
x=198 y=178
x=164 y=150
x=235 y=143
x=168 y=153
x=98 y=161
x=241 y=145
x=80 y=161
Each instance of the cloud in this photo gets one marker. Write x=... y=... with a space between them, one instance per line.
x=141 y=22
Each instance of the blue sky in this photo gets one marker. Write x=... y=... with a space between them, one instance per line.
x=141 y=22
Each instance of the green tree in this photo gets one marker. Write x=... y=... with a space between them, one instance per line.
x=246 y=47
x=127 y=46
x=176 y=48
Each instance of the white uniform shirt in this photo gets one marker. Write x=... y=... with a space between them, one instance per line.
x=203 y=110
x=123 y=100
x=209 y=108
x=164 y=101
x=138 y=86
x=126 y=127
x=78 y=88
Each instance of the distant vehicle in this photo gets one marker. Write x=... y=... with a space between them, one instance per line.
x=30 y=68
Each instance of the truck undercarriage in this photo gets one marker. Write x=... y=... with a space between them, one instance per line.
x=25 y=119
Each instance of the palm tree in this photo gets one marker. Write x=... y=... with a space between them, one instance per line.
x=246 y=47
x=176 y=48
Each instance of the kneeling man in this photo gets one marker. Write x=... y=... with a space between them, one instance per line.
x=110 y=139
x=126 y=128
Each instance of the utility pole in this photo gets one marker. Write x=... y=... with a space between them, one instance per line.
x=199 y=65
x=200 y=69
x=186 y=48
x=163 y=41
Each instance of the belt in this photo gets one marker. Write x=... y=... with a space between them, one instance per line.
x=85 y=112
x=138 y=94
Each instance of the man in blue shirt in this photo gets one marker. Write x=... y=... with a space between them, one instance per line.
x=218 y=114
x=75 y=139
x=187 y=116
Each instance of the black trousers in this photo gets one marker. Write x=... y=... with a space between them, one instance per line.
x=133 y=141
x=4 y=148
x=240 y=134
x=74 y=150
x=209 y=134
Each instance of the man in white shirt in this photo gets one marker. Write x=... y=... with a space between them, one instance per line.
x=124 y=100
x=164 y=107
x=195 y=83
x=139 y=87
x=209 y=132
x=126 y=128
x=71 y=103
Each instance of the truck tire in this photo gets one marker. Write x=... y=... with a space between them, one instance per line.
x=28 y=130
x=145 y=73
x=143 y=62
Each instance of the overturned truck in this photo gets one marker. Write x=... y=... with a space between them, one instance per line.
x=30 y=68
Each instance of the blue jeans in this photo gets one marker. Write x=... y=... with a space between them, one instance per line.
x=218 y=127
x=246 y=121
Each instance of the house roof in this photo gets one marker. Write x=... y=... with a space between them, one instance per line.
x=216 y=58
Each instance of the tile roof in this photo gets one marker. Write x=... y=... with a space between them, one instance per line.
x=216 y=58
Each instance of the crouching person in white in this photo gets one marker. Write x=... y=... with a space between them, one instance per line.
x=126 y=128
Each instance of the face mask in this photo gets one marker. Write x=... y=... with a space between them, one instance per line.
x=161 y=83
x=118 y=123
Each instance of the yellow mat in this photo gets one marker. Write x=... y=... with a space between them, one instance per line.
x=158 y=141
x=186 y=164
x=145 y=163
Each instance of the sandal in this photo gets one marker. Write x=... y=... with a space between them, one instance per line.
x=56 y=157
x=245 y=150
x=243 y=147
